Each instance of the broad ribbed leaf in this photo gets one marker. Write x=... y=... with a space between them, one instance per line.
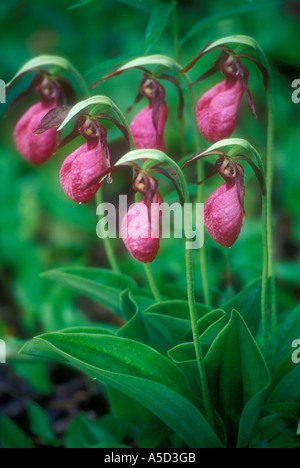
x=136 y=370
x=288 y=389
x=163 y=325
x=236 y=371
x=100 y=285
x=248 y=303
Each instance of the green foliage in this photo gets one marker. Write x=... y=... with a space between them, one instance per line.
x=107 y=325
x=138 y=371
x=11 y=436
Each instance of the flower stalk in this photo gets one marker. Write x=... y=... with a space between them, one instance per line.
x=192 y=305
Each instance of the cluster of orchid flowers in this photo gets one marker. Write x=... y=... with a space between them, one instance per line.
x=83 y=171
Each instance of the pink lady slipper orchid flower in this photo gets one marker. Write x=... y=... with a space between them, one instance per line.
x=78 y=172
x=148 y=126
x=37 y=148
x=141 y=229
x=216 y=111
x=224 y=210
x=35 y=138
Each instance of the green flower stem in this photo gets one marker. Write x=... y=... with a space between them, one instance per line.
x=107 y=241
x=271 y=282
x=200 y=198
x=192 y=305
x=86 y=92
x=270 y=241
x=152 y=283
x=228 y=273
x=265 y=281
x=177 y=51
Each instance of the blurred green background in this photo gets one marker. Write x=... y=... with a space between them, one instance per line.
x=41 y=229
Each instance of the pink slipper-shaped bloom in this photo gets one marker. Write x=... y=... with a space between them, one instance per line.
x=143 y=131
x=224 y=214
x=35 y=148
x=141 y=231
x=216 y=112
x=81 y=168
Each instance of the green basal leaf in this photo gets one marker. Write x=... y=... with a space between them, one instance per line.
x=137 y=371
x=128 y=305
x=275 y=432
x=153 y=434
x=211 y=333
x=103 y=286
x=127 y=409
x=288 y=388
x=184 y=352
x=250 y=415
x=163 y=325
x=178 y=309
x=288 y=332
x=237 y=373
x=288 y=410
x=114 y=354
x=206 y=321
x=248 y=303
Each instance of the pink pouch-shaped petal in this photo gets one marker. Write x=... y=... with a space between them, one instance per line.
x=143 y=131
x=223 y=215
x=35 y=148
x=140 y=235
x=79 y=169
x=216 y=111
